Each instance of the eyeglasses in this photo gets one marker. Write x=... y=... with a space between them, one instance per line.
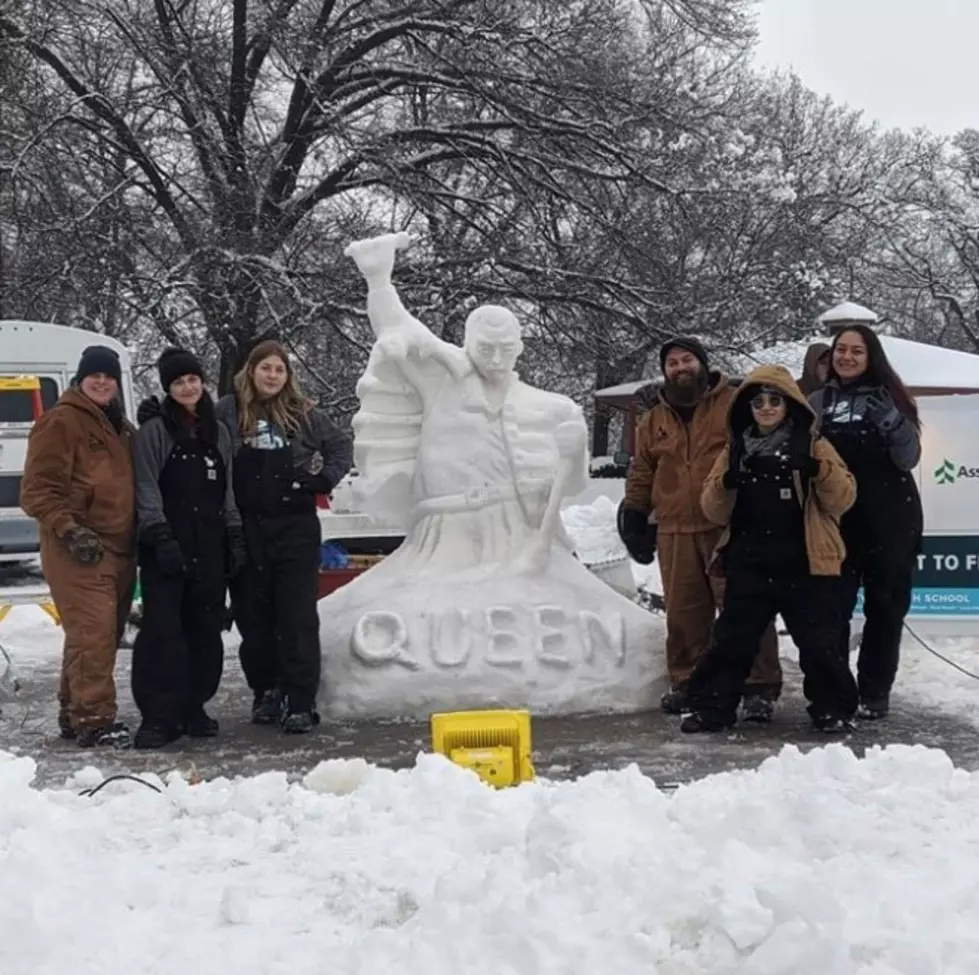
x=763 y=400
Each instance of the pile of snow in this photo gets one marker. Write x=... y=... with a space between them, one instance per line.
x=593 y=530
x=816 y=864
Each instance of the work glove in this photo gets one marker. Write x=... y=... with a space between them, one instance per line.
x=83 y=545
x=637 y=534
x=883 y=413
x=735 y=454
x=169 y=557
x=237 y=550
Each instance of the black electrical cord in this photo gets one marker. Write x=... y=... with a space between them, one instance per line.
x=122 y=776
x=931 y=650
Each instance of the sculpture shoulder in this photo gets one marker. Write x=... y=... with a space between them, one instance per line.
x=535 y=398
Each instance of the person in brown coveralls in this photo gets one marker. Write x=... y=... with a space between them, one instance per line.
x=677 y=443
x=78 y=483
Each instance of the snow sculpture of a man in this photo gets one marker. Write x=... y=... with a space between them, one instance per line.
x=484 y=604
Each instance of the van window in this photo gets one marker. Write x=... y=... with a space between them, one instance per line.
x=17 y=405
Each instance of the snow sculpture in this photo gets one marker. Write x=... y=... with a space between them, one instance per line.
x=484 y=604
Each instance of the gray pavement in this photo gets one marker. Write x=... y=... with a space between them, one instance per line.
x=563 y=747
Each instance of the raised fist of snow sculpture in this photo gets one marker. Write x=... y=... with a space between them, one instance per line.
x=484 y=604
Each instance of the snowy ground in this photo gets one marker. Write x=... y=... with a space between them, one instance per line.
x=781 y=871
x=790 y=861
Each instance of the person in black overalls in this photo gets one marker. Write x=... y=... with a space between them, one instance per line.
x=869 y=416
x=285 y=453
x=190 y=541
x=779 y=489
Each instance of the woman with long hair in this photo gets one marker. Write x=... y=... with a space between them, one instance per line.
x=190 y=542
x=285 y=453
x=869 y=416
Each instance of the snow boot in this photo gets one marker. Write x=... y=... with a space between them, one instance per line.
x=151 y=736
x=694 y=723
x=113 y=735
x=201 y=725
x=831 y=724
x=757 y=706
x=298 y=722
x=267 y=707
x=874 y=708
x=674 y=701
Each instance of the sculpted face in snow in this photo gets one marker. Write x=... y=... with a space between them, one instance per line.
x=484 y=603
x=493 y=342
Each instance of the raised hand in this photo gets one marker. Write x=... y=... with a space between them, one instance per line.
x=374 y=256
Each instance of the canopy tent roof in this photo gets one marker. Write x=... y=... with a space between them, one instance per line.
x=925 y=369
x=848 y=311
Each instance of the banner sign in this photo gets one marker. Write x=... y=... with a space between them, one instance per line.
x=946 y=578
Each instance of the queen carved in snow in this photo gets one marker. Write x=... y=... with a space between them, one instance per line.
x=484 y=602
x=451 y=444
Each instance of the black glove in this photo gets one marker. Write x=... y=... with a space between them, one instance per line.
x=637 y=534
x=83 y=545
x=883 y=413
x=806 y=466
x=169 y=557
x=237 y=550
x=735 y=455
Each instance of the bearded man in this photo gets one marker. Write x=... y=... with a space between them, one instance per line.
x=677 y=442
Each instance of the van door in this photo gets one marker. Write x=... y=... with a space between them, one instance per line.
x=18 y=407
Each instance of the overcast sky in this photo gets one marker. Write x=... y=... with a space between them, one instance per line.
x=904 y=62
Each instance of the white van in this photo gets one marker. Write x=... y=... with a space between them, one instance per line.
x=51 y=353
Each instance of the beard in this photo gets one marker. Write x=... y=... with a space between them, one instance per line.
x=686 y=388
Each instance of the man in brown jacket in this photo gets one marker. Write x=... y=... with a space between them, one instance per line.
x=78 y=484
x=677 y=443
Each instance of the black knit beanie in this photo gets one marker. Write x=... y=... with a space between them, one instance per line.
x=99 y=358
x=174 y=363
x=688 y=344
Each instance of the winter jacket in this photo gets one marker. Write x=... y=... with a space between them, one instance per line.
x=188 y=494
x=285 y=481
x=809 y=381
x=823 y=497
x=79 y=471
x=888 y=512
x=674 y=457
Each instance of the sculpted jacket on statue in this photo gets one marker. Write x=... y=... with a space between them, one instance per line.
x=427 y=438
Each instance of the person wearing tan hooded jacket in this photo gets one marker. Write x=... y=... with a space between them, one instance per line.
x=78 y=483
x=677 y=443
x=778 y=490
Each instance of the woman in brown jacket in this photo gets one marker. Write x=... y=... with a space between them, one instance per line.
x=779 y=490
x=78 y=484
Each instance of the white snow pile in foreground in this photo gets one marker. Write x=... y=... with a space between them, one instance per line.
x=816 y=864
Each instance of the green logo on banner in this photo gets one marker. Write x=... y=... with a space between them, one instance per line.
x=945 y=472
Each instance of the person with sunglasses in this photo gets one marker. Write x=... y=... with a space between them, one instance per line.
x=778 y=489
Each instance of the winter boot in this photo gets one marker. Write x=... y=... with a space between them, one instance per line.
x=152 y=735
x=114 y=735
x=674 y=701
x=694 y=723
x=201 y=725
x=297 y=722
x=267 y=707
x=874 y=708
x=757 y=706
x=830 y=724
